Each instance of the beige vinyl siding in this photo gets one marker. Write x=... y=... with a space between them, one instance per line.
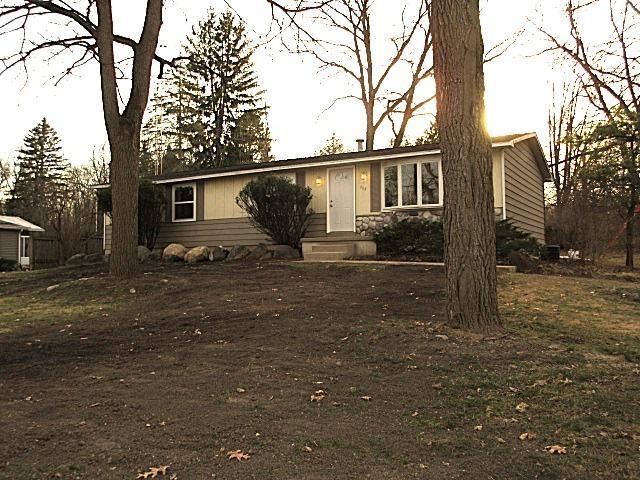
x=223 y=232
x=319 y=192
x=220 y=197
x=9 y=244
x=220 y=232
x=524 y=190
x=363 y=189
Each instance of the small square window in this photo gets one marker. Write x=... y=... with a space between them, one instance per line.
x=184 y=203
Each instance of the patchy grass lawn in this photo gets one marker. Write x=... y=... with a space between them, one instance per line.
x=184 y=364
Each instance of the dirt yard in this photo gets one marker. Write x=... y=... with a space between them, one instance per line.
x=103 y=381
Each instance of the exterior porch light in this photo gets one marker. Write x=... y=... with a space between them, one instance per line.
x=318 y=181
x=363 y=176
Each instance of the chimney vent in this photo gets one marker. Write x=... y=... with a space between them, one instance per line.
x=360 y=142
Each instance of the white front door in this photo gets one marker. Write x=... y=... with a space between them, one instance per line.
x=341 y=210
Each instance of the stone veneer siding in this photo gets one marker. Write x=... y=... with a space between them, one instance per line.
x=367 y=225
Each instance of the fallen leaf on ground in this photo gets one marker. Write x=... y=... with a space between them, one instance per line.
x=539 y=383
x=366 y=398
x=556 y=449
x=238 y=455
x=240 y=390
x=500 y=440
x=527 y=436
x=521 y=407
x=478 y=428
x=153 y=472
x=308 y=449
x=437 y=386
x=318 y=395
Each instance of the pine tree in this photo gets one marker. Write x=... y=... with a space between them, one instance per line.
x=430 y=136
x=208 y=108
x=333 y=145
x=40 y=174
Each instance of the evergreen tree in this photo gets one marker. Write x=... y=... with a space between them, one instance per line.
x=40 y=174
x=250 y=139
x=333 y=145
x=208 y=111
x=430 y=136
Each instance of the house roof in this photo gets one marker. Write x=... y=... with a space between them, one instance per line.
x=368 y=155
x=17 y=223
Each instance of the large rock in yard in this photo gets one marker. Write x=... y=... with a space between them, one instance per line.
x=143 y=253
x=174 y=253
x=284 y=252
x=77 y=259
x=217 y=254
x=239 y=252
x=524 y=263
x=95 y=258
x=197 y=254
x=260 y=252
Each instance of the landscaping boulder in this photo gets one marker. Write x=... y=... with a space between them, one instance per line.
x=143 y=253
x=197 y=254
x=75 y=260
x=174 y=253
x=284 y=252
x=239 y=252
x=217 y=254
x=260 y=252
x=94 y=258
x=523 y=262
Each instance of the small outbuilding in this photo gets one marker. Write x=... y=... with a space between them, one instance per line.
x=15 y=240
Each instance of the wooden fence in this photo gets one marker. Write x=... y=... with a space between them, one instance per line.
x=46 y=253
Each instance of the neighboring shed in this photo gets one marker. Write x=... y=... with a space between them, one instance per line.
x=15 y=239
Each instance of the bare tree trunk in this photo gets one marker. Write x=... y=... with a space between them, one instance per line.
x=124 y=192
x=469 y=218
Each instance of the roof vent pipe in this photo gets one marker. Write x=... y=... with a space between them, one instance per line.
x=360 y=142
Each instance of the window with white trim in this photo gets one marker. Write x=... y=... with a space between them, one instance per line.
x=183 y=204
x=412 y=184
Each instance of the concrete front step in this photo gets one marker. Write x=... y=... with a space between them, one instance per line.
x=325 y=256
x=346 y=248
x=332 y=248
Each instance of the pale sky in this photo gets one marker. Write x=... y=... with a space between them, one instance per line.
x=518 y=85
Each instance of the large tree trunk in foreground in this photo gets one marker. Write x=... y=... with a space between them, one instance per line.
x=123 y=130
x=125 y=154
x=469 y=221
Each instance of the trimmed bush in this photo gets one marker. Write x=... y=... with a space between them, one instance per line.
x=277 y=207
x=511 y=239
x=7 y=265
x=151 y=205
x=424 y=239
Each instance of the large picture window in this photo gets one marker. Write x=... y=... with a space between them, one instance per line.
x=412 y=184
x=184 y=203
